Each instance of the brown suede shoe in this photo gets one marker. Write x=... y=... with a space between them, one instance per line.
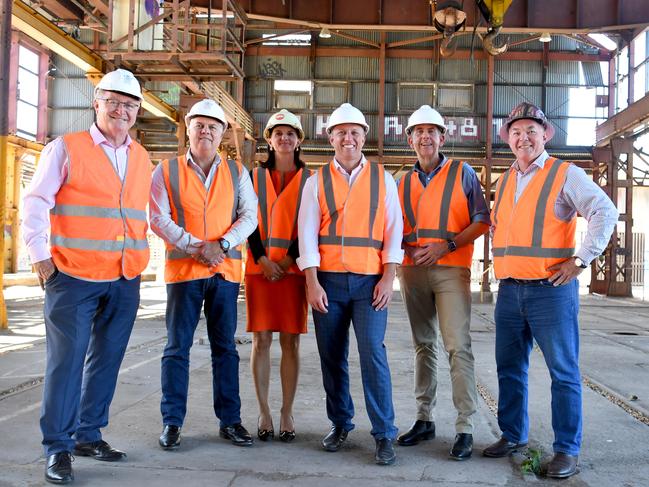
x=562 y=466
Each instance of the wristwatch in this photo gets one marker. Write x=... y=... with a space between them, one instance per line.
x=580 y=263
x=452 y=246
x=225 y=245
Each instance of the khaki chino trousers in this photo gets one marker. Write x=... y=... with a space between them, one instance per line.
x=438 y=298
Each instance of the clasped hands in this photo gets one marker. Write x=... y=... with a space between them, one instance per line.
x=208 y=253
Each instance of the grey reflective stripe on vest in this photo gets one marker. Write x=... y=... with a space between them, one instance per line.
x=350 y=241
x=306 y=173
x=98 y=212
x=445 y=207
x=536 y=249
x=281 y=243
x=499 y=196
x=539 y=214
x=533 y=252
x=234 y=173
x=262 y=191
x=332 y=239
x=429 y=233
x=106 y=245
x=329 y=198
x=176 y=254
x=407 y=203
x=374 y=196
x=174 y=183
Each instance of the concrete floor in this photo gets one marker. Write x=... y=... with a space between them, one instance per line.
x=615 y=366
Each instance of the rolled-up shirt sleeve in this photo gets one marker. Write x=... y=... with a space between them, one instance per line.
x=51 y=173
x=308 y=225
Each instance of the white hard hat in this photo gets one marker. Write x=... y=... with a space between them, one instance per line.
x=121 y=81
x=207 y=108
x=284 y=117
x=425 y=114
x=346 y=113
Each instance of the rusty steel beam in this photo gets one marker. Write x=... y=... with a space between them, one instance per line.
x=405 y=15
x=421 y=53
x=623 y=122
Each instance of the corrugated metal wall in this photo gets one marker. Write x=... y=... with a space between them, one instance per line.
x=415 y=81
x=70 y=99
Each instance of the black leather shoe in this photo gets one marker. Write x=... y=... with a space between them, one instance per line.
x=334 y=439
x=287 y=436
x=99 y=450
x=58 y=469
x=562 y=466
x=502 y=448
x=384 y=454
x=170 y=437
x=463 y=446
x=237 y=434
x=265 y=435
x=419 y=431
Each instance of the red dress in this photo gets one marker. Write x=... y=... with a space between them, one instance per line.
x=277 y=305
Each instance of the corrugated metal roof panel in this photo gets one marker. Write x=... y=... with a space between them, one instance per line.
x=62 y=121
x=65 y=68
x=259 y=94
x=557 y=101
x=70 y=93
x=365 y=95
x=403 y=69
x=278 y=67
x=507 y=97
x=518 y=71
x=593 y=73
x=346 y=68
x=462 y=70
x=329 y=95
x=563 y=73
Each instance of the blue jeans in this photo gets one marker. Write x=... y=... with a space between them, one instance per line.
x=218 y=298
x=87 y=327
x=547 y=314
x=350 y=301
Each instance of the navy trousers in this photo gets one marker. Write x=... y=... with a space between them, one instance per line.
x=350 y=301
x=218 y=298
x=87 y=327
x=547 y=314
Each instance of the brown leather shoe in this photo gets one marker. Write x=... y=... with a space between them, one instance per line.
x=502 y=448
x=562 y=466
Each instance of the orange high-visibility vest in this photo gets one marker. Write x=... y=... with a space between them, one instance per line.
x=98 y=223
x=528 y=237
x=436 y=213
x=352 y=220
x=277 y=216
x=207 y=215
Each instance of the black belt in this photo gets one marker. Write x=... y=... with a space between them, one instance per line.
x=527 y=282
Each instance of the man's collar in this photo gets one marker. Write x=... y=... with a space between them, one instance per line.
x=339 y=166
x=188 y=156
x=442 y=160
x=99 y=138
x=538 y=162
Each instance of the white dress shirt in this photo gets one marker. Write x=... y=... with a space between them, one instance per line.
x=51 y=173
x=309 y=218
x=581 y=195
x=160 y=209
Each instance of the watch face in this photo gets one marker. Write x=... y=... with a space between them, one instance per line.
x=225 y=245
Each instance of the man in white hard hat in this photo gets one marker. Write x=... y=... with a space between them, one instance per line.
x=444 y=211
x=204 y=207
x=89 y=193
x=534 y=223
x=350 y=231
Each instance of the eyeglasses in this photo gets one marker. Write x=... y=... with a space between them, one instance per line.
x=213 y=127
x=115 y=104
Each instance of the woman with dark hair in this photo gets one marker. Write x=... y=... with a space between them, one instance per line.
x=271 y=271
